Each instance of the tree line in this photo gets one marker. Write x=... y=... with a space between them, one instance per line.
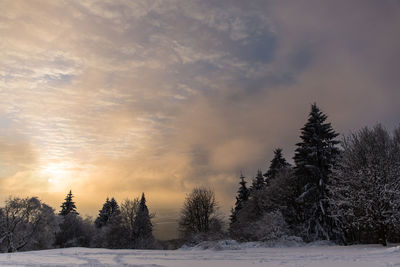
x=30 y=224
x=346 y=191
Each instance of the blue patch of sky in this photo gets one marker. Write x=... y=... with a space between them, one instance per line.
x=299 y=61
x=59 y=77
x=260 y=49
x=302 y=58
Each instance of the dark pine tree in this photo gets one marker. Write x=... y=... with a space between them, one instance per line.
x=68 y=207
x=242 y=196
x=114 y=208
x=110 y=209
x=104 y=213
x=143 y=228
x=258 y=182
x=71 y=228
x=278 y=163
x=314 y=159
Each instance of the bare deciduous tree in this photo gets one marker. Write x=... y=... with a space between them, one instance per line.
x=129 y=209
x=198 y=211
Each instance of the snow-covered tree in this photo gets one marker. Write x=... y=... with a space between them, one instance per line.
x=365 y=186
x=314 y=158
x=277 y=197
x=271 y=226
x=242 y=196
x=143 y=228
x=278 y=163
x=68 y=206
x=26 y=224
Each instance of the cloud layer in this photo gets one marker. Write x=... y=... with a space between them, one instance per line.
x=119 y=97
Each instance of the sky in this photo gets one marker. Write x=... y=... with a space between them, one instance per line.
x=117 y=97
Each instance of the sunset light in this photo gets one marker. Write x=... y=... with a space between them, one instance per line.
x=120 y=101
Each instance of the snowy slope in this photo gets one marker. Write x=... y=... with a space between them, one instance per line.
x=372 y=255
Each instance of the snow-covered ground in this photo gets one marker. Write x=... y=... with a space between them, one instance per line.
x=337 y=256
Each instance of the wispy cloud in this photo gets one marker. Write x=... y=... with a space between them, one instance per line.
x=119 y=97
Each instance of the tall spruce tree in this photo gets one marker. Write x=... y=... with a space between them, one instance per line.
x=258 y=182
x=278 y=163
x=68 y=206
x=73 y=230
x=242 y=196
x=314 y=159
x=143 y=227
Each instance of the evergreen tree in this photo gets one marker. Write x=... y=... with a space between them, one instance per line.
x=256 y=195
x=111 y=232
x=314 y=159
x=143 y=227
x=73 y=230
x=103 y=217
x=264 y=210
x=258 y=182
x=110 y=209
x=278 y=163
x=68 y=206
x=114 y=208
x=242 y=197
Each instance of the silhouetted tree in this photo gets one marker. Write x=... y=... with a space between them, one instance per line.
x=110 y=229
x=278 y=163
x=314 y=158
x=142 y=226
x=68 y=206
x=258 y=182
x=199 y=208
x=129 y=210
x=110 y=209
x=74 y=231
x=242 y=196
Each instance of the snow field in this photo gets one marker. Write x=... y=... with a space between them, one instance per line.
x=335 y=256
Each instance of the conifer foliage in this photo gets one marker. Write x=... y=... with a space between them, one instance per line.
x=242 y=196
x=68 y=206
x=73 y=230
x=278 y=163
x=347 y=195
x=314 y=158
x=258 y=182
x=143 y=228
x=110 y=209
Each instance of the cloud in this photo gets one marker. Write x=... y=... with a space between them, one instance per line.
x=119 y=97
